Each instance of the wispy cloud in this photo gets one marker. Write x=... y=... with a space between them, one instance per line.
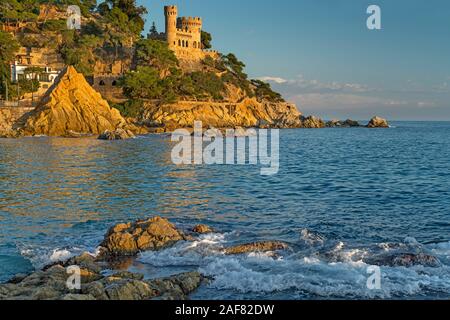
x=273 y=79
x=313 y=94
x=443 y=87
x=316 y=86
x=344 y=101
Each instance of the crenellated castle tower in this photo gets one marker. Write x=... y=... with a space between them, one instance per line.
x=171 y=14
x=184 y=35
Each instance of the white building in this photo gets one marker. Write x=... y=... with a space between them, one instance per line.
x=46 y=77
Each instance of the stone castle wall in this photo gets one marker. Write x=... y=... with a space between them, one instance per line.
x=184 y=36
x=108 y=86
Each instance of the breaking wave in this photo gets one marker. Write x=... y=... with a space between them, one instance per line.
x=43 y=256
x=323 y=270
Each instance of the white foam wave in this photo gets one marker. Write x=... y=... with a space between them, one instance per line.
x=311 y=238
x=194 y=253
x=313 y=277
x=61 y=255
x=345 y=275
x=441 y=249
x=41 y=256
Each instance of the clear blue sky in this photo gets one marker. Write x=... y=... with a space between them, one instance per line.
x=320 y=54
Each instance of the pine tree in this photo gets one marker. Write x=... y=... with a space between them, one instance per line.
x=153 y=32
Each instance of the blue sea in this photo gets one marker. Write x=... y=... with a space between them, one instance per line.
x=341 y=196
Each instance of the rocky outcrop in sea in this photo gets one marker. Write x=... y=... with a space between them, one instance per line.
x=118 y=134
x=377 y=122
x=128 y=239
x=72 y=107
x=102 y=278
x=343 y=124
x=122 y=240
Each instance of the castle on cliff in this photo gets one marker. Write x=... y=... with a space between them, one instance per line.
x=184 y=36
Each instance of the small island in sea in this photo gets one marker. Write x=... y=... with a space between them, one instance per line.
x=135 y=226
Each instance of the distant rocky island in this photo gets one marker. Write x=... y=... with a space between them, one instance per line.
x=106 y=79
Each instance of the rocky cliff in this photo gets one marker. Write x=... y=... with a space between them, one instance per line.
x=248 y=113
x=72 y=106
x=10 y=116
x=5 y=123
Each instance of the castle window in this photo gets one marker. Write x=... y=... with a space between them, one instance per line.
x=187 y=44
x=114 y=83
x=179 y=43
x=182 y=43
x=102 y=83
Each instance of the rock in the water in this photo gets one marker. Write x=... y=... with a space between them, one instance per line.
x=129 y=289
x=404 y=260
x=40 y=285
x=311 y=238
x=177 y=287
x=350 y=123
x=72 y=105
x=131 y=238
x=312 y=122
x=85 y=260
x=51 y=284
x=202 y=229
x=264 y=246
x=73 y=134
x=78 y=297
x=129 y=275
x=343 y=124
x=240 y=132
x=377 y=122
x=118 y=134
x=334 y=124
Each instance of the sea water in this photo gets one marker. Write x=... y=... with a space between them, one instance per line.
x=340 y=196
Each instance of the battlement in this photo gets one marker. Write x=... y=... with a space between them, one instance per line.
x=191 y=20
x=171 y=10
x=189 y=24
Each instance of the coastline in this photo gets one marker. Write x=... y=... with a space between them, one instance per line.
x=106 y=275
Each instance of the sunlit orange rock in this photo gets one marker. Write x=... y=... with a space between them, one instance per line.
x=72 y=105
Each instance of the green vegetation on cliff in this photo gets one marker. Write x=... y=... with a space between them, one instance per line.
x=159 y=76
x=111 y=24
x=206 y=40
x=112 y=30
x=8 y=48
x=8 y=89
x=264 y=91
